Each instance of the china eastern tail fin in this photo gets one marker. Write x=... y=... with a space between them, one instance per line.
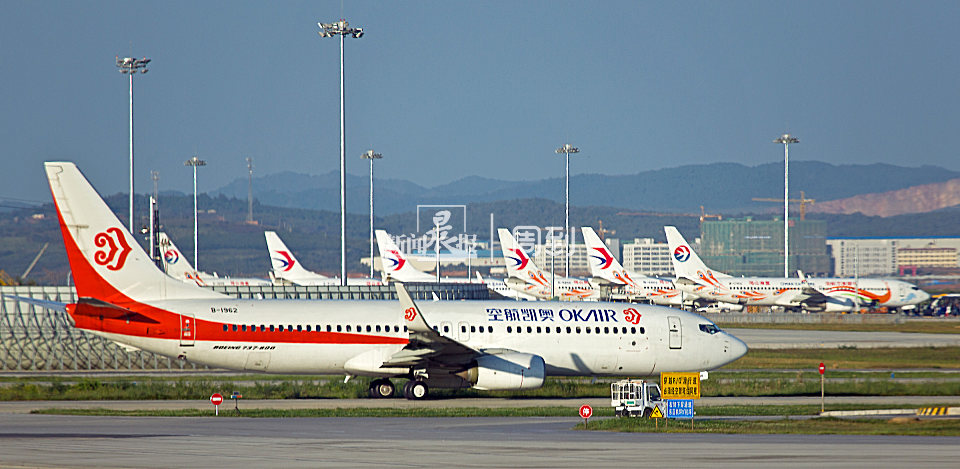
x=602 y=263
x=395 y=265
x=175 y=264
x=519 y=264
x=686 y=262
x=106 y=261
x=285 y=265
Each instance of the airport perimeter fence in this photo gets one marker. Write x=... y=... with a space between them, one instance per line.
x=33 y=338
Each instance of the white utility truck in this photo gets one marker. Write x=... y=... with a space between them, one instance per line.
x=635 y=398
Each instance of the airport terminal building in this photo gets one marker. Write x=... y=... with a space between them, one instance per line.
x=892 y=256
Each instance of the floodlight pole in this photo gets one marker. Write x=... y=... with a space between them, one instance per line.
x=249 y=190
x=786 y=140
x=130 y=66
x=195 y=162
x=342 y=28
x=567 y=149
x=370 y=155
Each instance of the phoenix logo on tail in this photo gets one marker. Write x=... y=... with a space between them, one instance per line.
x=521 y=258
x=606 y=260
x=397 y=259
x=287 y=261
x=110 y=239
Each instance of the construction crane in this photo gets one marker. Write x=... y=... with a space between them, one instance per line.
x=704 y=215
x=803 y=201
x=602 y=232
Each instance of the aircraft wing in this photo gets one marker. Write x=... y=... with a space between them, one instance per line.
x=809 y=294
x=427 y=347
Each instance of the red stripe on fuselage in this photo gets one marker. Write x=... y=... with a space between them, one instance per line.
x=163 y=324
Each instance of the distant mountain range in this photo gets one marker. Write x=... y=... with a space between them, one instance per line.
x=916 y=199
x=720 y=187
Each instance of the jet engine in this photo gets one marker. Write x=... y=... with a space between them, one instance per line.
x=505 y=371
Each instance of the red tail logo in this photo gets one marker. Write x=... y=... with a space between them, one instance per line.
x=410 y=314
x=114 y=241
x=631 y=315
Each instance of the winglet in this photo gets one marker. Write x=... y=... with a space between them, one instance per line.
x=411 y=313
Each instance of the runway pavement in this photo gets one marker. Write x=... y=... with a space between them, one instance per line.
x=23 y=407
x=74 y=441
x=793 y=339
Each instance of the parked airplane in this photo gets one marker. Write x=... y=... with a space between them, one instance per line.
x=123 y=297
x=815 y=294
x=396 y=267
x=176 y=265
x=286 y=268
x=526 y=277
x=607 y=268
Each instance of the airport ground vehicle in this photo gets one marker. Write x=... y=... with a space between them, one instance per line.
x=635 y=398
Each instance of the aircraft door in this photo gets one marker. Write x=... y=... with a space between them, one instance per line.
x=675 y=336
x=464 y=331
x=188 y=330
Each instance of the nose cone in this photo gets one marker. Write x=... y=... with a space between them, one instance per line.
x=924 y=296
x=733 y=349
x=738 y=348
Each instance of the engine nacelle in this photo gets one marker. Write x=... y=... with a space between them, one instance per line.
x=506 y=371
x=832 y=305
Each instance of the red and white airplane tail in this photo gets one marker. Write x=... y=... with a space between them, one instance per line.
x=602 y=263
x=686 y=262
x=519 y=264
x=107 y=262
x=286 y=266
x=395 y=265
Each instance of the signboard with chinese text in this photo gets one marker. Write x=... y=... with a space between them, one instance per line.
x=680 y=385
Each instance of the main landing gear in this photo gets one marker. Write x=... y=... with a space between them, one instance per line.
x=381 y=388
x=415 y=389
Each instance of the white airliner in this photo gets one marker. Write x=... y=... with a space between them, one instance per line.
x=287 y=269
x=396 y=267
x=123 y=297
x=815 y=294
x=606 y=267
x=525 y=277
x=177 y=266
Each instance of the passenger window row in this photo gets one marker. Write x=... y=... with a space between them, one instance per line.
x=308 y=328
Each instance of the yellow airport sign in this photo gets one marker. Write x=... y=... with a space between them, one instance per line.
x=656 y=414
x=680 y=385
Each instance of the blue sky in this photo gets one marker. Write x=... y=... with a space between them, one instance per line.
x=449 y=89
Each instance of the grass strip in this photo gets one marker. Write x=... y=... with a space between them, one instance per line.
x=784 y=384
x=814 y=426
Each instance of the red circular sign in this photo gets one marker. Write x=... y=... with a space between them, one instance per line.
x=822 y=369
x=586 y=411
x=216 y=399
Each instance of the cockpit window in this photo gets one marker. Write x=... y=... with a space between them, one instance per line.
x=709 y=328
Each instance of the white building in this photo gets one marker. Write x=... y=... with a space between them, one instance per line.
x=644 y=256
x=885 y=256
x=578 y=259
